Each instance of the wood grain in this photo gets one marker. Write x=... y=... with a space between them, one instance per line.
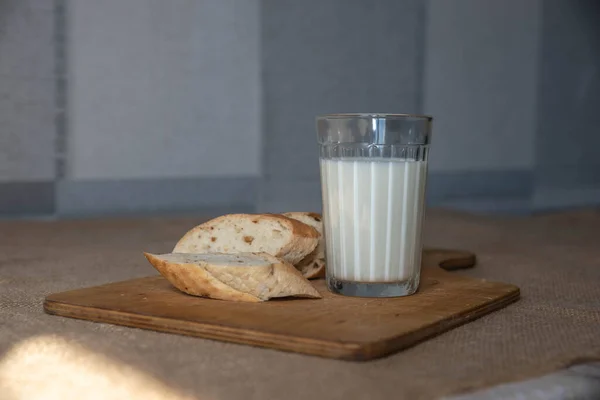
x=348 y=328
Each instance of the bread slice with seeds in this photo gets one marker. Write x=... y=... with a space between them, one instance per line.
x=250 y=277
x=313 y=265
x=282 y=237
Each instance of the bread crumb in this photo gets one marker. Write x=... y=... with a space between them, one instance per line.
x=249 y=239
x=213 y=239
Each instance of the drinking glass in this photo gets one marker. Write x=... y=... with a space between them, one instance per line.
x=373 y=180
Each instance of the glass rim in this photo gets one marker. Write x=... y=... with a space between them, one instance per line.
x=374 y=115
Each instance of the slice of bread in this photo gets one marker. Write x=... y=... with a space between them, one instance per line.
x=250 y=277
x=282 y=237
x=313 y=265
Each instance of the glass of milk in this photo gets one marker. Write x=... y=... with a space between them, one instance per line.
x=373 y=174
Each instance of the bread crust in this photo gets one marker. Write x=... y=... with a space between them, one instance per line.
x=235 y=282
x=312 y=265
x=304 y=237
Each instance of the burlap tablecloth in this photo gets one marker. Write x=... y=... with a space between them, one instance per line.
x=553 y=259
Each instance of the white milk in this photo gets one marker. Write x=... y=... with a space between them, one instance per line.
x=373 y=211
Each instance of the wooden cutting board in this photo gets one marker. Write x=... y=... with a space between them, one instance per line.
x=336 y=326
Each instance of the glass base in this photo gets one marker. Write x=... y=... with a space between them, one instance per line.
x=373 y=289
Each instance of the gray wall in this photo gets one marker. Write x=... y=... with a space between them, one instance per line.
x=163 y=89
x=121 y=106
x=27 y=106
x=480 y=82
x=334 y=56
x=164 y=105
x=567 y=169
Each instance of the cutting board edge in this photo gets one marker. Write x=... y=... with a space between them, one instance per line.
x=300 y=345
x=365 y=351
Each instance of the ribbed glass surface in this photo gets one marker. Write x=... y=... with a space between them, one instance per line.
x=373 y=177
x=379 y=151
